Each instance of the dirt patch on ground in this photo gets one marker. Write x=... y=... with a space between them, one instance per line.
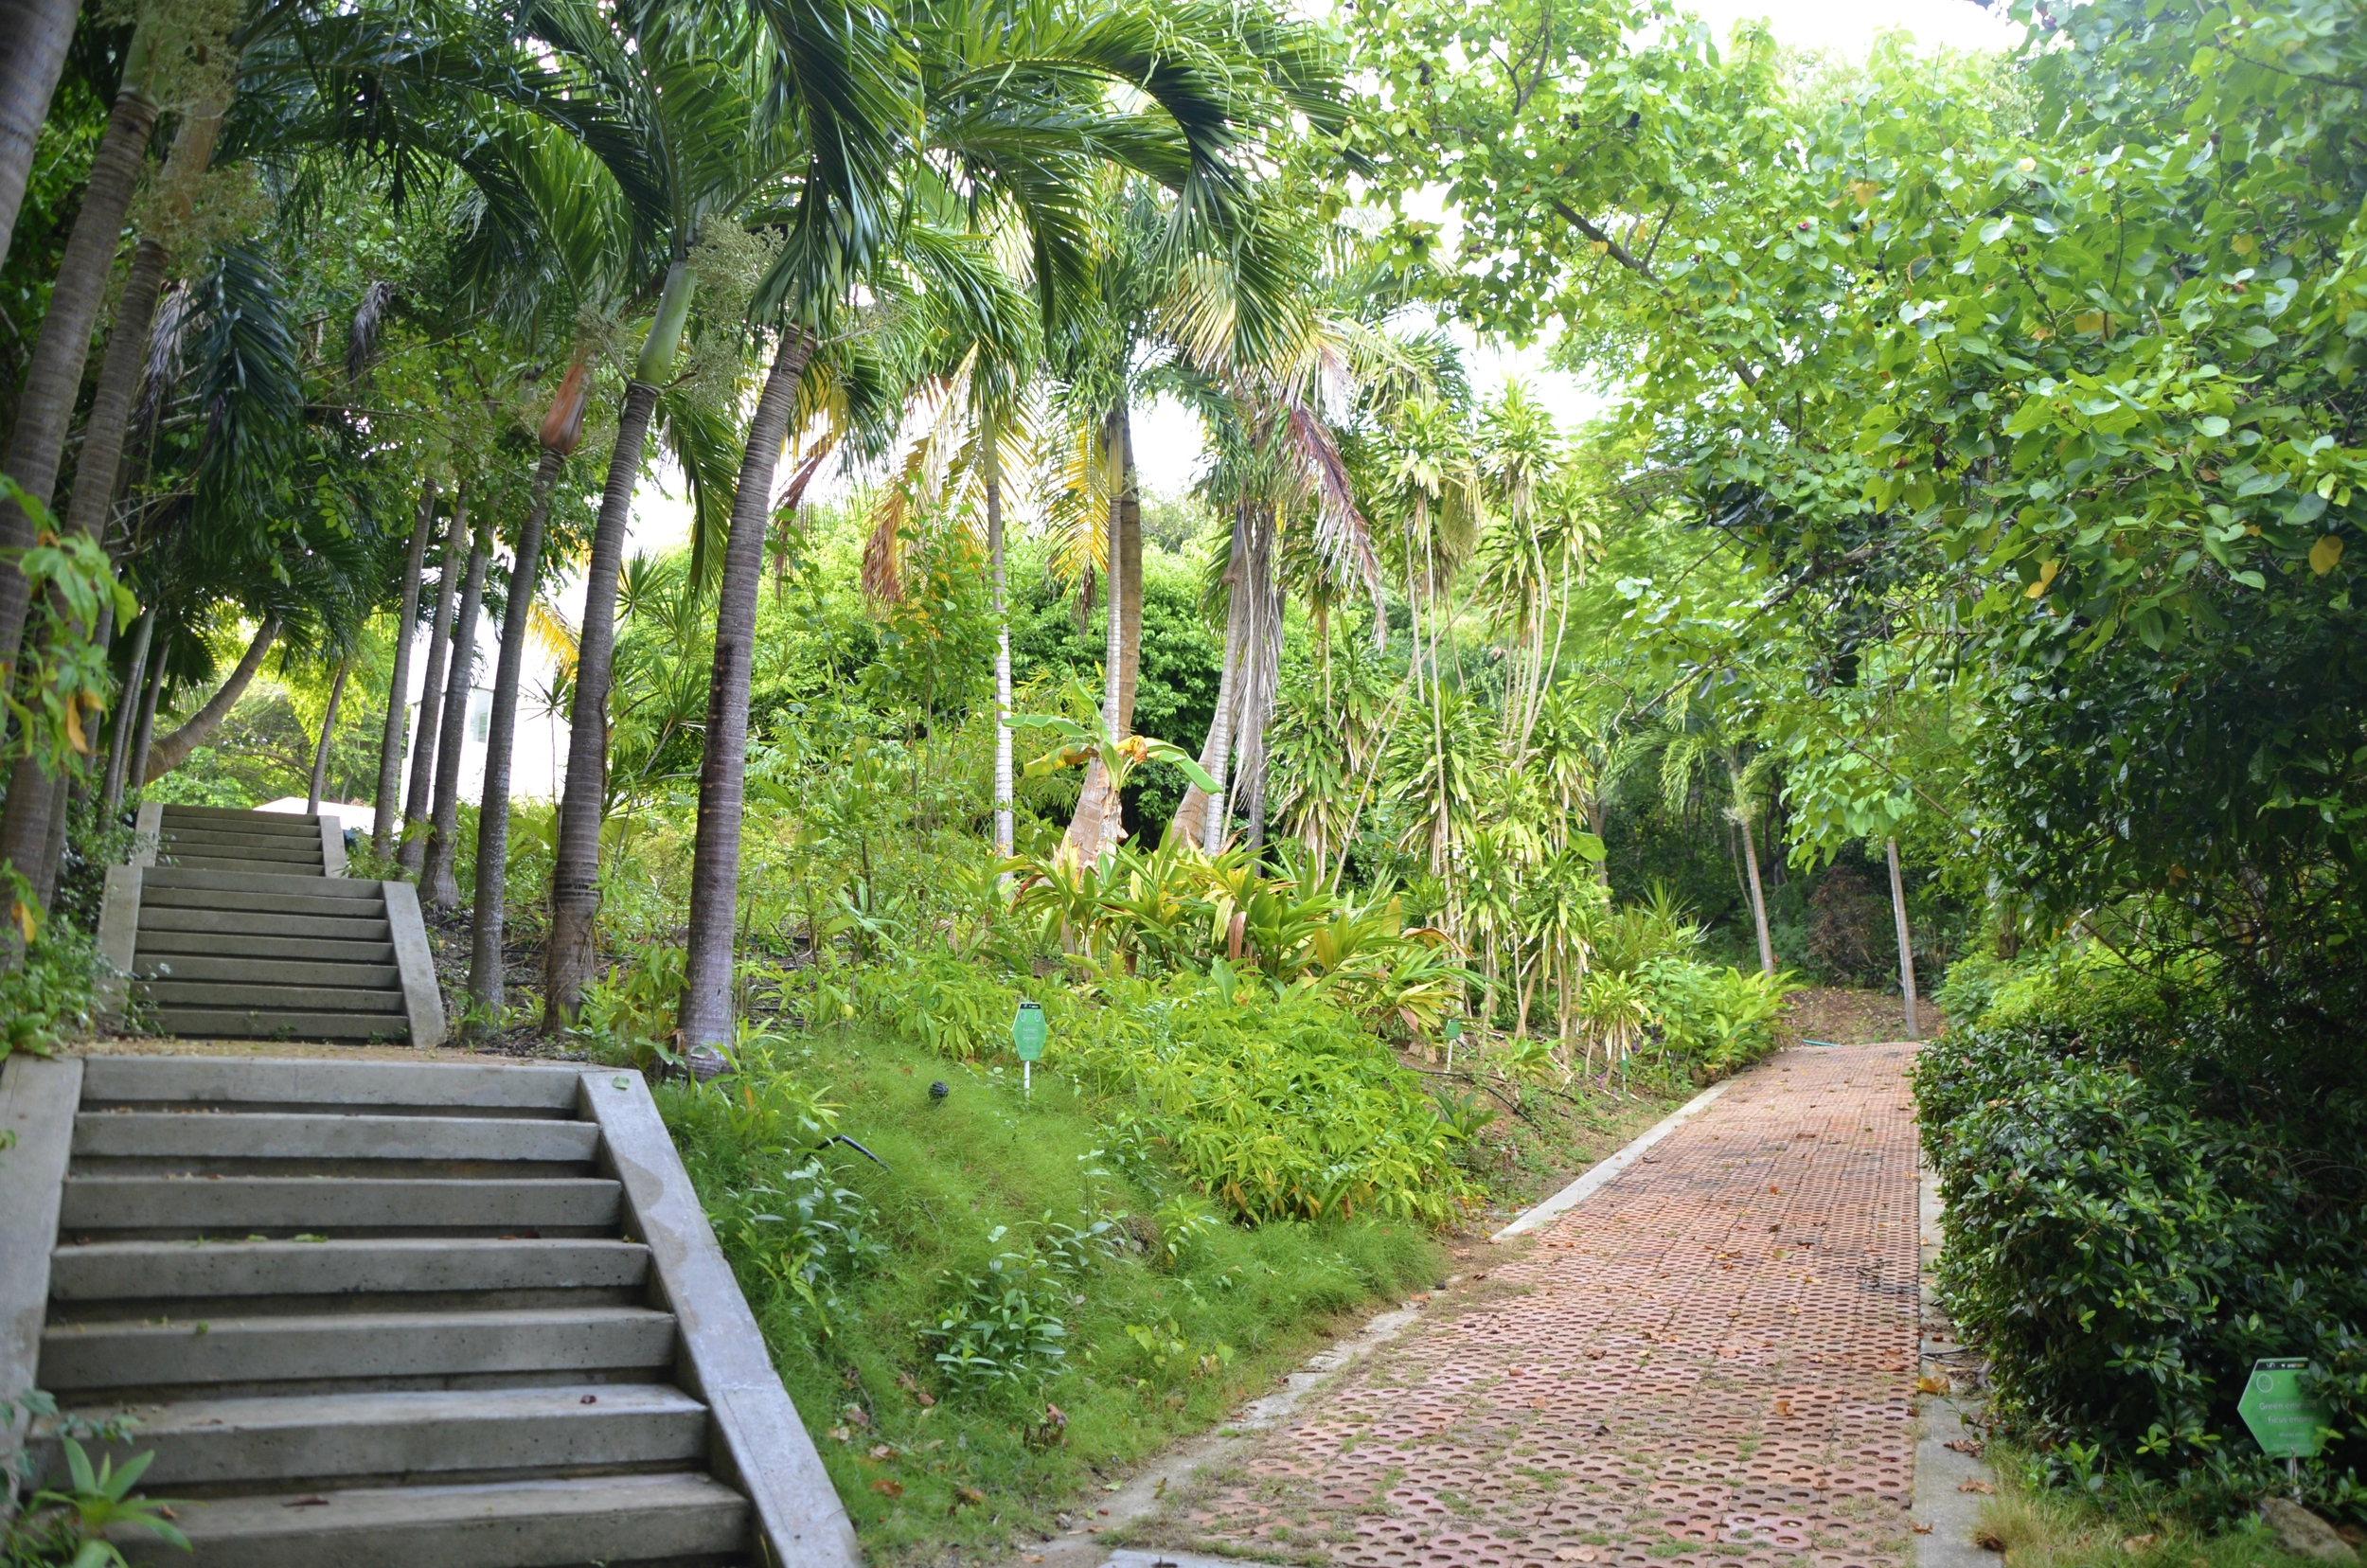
x=1830 y=1015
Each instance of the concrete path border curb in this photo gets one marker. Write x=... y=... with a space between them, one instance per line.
x=1600 y=1174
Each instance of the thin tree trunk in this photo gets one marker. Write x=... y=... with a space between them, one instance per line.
x=1261 y=676
x=127 y=714
x=1093 y=828
x=33 y=39
x=387 y=803
x=709 y=1016
x=1005 y=793
x=174 y=749
x=569 y=957
x=126 y=359
x=420 y=800
x=53 y=378
x=1128 y=552
x=571 y=953
x=328 y=728
x=486 y=980
x=1204 y=816
x=1906 y=947
x=144 y=733
x=1758 y=898
x=435 y=866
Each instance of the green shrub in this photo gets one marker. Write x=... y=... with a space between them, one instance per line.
x=1970 y=985
x=47 y=999
x=2125 y=1238
x=1717 y=1020
x=1278 y=1106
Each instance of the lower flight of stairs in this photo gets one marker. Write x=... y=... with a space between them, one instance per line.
x=395 y=1315
x=242 y=924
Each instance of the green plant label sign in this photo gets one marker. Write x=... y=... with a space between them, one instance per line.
x=1454 y=1029
x=2284 y=1420
x=1027 y=1031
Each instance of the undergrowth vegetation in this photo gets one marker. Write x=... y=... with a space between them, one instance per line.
x=986 y=1299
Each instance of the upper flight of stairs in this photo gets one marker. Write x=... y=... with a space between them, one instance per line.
x=393 y=1315
x=243 y=924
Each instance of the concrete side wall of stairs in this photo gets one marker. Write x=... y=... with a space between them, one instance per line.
x=434 y=1315
x=243 y=924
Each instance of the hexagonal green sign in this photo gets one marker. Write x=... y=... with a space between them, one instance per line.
x=1027 y=1031
x=2284 y=1421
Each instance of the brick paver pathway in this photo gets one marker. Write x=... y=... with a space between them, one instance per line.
x=1709 y=1363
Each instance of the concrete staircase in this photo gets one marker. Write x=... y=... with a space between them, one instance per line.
x=396 y=1316
x=242 y=924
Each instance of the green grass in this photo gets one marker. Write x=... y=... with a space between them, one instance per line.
x=2042 y=1528
x=924 y=1458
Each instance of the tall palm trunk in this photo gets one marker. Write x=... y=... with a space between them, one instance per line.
x=174 y=749
x=1095 y=825
x=1205 y=815
x=1906 y=946
x=1005 y=791
x=53 y=378
x=1129 y=551
x=486 y=981
x=144 y=733
x=329 y=729
x=418 y=801
x=569 y=955
x=1758 y=896
x=387 y=801
x=436 y=865
x=708 y=1014
x=1261 y=674
x=127 y=714
x=33 y=39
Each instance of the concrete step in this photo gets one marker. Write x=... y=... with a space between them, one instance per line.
x=155 y=965
x=348 y=1347
x=306 y=897
x=230 y=816
x=202 y=1023
x=212 y=944
x=479 y=1089
x=259 y=881
x=263 y=999
x=211 y=862
x=145 y=1271
x=261 y=847
x=617 y=1518
x=366 y=925
x=280 y=1135
x=271 y=1439
x=241 y=1205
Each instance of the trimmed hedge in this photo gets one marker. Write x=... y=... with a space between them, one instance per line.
x=2125 y=1238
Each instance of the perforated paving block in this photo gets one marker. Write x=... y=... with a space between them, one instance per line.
x=1709 y=1363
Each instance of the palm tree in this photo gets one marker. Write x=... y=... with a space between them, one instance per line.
x=561 y=427
x=1014 y=99
x=667 y=98
x=386 y=801
x=33 y=39
x=1696 y=742
x=53 y=378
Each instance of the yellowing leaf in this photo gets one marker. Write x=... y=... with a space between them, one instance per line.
x=2093 y=321
x=2326 y=554
x=1863 y=191
x=1599 y=246
x=2244 y=244
x=26 y=920
x=74 y=735
x=2046 y=581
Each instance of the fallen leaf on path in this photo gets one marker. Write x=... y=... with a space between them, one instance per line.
x=1981 y=1487
x=1932 y=1385
x=1989 y=1540
x=888 y=1488
x=1919 y=1529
